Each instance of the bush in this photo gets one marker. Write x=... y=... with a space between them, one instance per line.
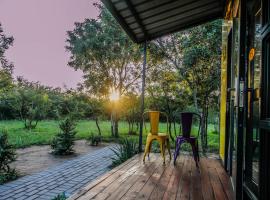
x=7 y=155
x=155 y=147
x=60 y=197
x=132 y=132
x=125 y=150
x=94 y=139
x=63 y=142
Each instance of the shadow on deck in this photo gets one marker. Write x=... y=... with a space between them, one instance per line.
x=153 y=180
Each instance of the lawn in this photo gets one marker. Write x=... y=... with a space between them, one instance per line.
x=46 y=130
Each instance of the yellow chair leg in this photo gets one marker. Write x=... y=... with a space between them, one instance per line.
x=161 y=145
x=147 y=147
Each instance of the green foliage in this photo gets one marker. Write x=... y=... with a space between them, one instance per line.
x=6 y=68
x=6 y=71
x=106 y=55
x=155 y=147
x=94 y=139
x=63 y=142
x=60 y=197
x=30 y=104
x=7 y=155
x=127 y=148
x=47 y=130
x=194 y=55
x=130 y=111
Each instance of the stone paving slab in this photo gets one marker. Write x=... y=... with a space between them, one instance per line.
x=67 y=177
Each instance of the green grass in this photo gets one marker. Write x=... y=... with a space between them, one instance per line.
x=46 y=130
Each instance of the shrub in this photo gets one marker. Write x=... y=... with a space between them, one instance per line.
x=63 y=142
x=94 y=139
x=60 y=197
x=132 y=132
x=7 y=155
x=155 y=147
x=125 y=150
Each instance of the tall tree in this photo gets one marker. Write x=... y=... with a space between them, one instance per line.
x=201 y=59
x=166 y=92
x=6 y=68
x=29 y=101
x=105 y=54
x=195 y=54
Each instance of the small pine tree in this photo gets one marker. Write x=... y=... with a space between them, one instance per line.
x=7 y=155
x=62 y=196
x=63 y=142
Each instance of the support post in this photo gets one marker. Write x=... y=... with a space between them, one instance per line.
x=142 y=95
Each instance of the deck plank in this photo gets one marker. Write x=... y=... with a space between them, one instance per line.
x=122 y=189
x=196 y=184
x=161 y=187
x=215 y=181
x=184 y=185
x=225 y=180
x=153 y=180
x=133 y=192
x=108 y=181
x=151 y=183
x=119 y=182
x=172 y=188
x=205 y=179
x=84 y=190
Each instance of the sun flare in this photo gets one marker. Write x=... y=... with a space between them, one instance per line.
x=114 y=95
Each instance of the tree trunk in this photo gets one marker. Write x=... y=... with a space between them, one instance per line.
x=170 y=129
x=99 y=132
x=112 y=125
x=116 y=133
x=195 y=99
x=204 y=125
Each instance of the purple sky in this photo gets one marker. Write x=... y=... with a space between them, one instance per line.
x=39 y=29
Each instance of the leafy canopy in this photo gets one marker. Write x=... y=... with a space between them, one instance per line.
x=108 y=58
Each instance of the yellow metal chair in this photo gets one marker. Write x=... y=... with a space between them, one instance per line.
x=154 y=134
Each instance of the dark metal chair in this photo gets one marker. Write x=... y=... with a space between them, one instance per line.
x=186 y=119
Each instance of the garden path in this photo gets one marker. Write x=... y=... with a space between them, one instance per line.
x=67 y=177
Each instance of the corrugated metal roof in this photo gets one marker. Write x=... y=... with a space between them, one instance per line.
x=148 y=19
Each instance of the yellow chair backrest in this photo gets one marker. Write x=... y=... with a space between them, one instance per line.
x=154 y=121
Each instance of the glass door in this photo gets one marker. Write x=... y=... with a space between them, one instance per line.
x=257 y=151
x=251 y=173
x=264 y=124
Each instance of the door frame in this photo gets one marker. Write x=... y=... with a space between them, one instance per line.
x=250 y=188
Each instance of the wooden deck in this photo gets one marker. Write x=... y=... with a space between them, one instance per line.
x=153 y=180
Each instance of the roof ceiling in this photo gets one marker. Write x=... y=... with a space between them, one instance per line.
x=148 y=19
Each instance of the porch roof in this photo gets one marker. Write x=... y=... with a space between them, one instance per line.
x=144 y=20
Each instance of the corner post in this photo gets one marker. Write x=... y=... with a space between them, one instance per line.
x=142 y=94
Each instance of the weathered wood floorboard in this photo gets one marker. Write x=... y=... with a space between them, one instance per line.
x=153 y=180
